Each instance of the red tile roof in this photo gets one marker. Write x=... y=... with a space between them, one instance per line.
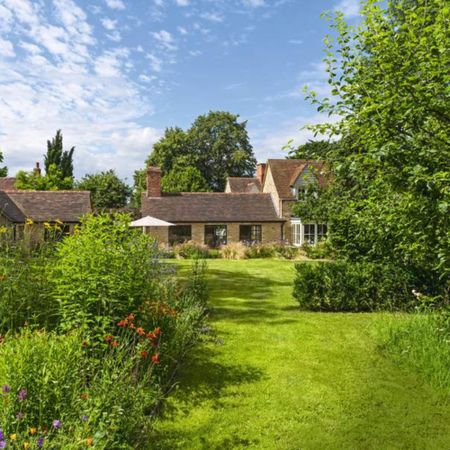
x=286 y=171
x=41 y=206
x=244 y=184
x=210 y=207
x=7 y=183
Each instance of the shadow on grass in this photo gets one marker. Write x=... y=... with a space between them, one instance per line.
x=246 y=298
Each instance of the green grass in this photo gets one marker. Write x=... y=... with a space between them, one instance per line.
x=273 y=377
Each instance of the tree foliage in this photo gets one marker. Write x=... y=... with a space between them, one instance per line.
x=389 y=199
x=216 y=146
x=107 y=189
x=52 y=181
x=56 y=155
x=3 y=170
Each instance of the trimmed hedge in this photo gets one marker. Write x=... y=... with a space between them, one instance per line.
x=346 y=286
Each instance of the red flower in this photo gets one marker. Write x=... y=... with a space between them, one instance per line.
x=157 y=331
x=144 y=354
x=151 y=336
x=115 y=343
x=155 y=358
x=123 y=323
x=140 y=331
x=109 y=338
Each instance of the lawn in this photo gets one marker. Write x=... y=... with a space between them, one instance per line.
x=274 y=377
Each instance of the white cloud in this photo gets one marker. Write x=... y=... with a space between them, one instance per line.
x=6 y=48
x=114 y=36
x=254 y=3
x=165 y=38
x=109 y=24
x=115 y=4
x=212 y=17
x=295 y=41
x=75 y=86
x=182 y=2
x=350 y=8
x=182 y=30
x=155 y=62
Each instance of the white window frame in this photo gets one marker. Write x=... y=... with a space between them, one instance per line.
x=298 y=232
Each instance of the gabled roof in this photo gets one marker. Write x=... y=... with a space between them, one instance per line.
x=41 y=206
x=286 y=171
x=7 y=183
x=217 y=207
x=244 y=184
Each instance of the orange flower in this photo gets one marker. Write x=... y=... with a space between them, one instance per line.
x=33 y=430
x=151 y=336
x=140 y=331
x=89 y=441
x=157 y=331
x=122 y=323
x=115 y=343
x=144 y=354
x=155 y=358
x=130 y=317
x=84 y=396
x=132 y=326
x=109 y=338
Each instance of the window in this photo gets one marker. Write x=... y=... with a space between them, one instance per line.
x=302 y=192
x=215 y=235
x=309 y=233
x=179 y=234
x=250 y=234
x=296 y=233
x=322 y=231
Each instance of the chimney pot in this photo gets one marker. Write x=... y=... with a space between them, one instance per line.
x=153 y=181
x=37 y=170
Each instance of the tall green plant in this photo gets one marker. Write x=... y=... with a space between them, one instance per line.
x=388 y=199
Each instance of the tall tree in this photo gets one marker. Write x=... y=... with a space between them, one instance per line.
x=3 y=170
x=62 y=159
x=107 y=189
x=215 y=147
x=389 y=199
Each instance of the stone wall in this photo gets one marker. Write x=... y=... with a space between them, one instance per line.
x=161 y=234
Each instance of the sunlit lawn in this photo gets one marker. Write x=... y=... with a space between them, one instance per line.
x=273 y=377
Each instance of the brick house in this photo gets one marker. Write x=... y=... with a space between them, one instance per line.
x=251 y=210
x=35 y=208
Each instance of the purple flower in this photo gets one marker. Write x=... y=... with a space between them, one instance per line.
x=40 y=441
x=6 y=388
x=1 y=435
x=2 y=444
x=84 y=418
x=20 y=415
x=57 y=424
x=22 y=395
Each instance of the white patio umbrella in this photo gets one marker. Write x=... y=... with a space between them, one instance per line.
x=149 y=221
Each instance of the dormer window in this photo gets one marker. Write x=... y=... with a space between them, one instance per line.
x=302 y=192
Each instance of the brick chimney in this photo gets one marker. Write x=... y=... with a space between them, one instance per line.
x=260 y=172
x=37 y=170
x=153 y=181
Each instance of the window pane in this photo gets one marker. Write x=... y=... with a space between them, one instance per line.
x=179 y=234
x=215 y=235
x=322 y=230
x=309 y=233
x=250 y=234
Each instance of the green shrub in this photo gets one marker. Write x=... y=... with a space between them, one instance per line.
x=321 y=250
x=421 y=341
x=191 y=250
x=105 y=271
x=285 y=251
x=261 y=251
x=346 y=286
x=235 y=250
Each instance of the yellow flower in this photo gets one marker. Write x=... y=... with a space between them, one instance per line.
x=3 y=229
x=33 y=430
x=58 y=222
x=47 y=225
x=26 y=445
x=29 y=222
x=13 y=437
x=89 y=441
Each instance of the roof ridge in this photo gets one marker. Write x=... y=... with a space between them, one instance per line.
x=66 y=191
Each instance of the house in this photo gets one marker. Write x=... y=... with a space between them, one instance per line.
x=25 y=213
x=251 y=210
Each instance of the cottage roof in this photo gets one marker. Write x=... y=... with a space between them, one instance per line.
x=286 y=171
x=41 y=206
x=244 y=184
x=210 y=207
x=7 y=183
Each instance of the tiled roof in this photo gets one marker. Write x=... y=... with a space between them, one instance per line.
x=10 y=209
x=244 y=184
x=7 y=183
x=210 y=207
x=41 y=206
x=286 y=171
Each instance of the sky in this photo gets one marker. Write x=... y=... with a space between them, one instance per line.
x=113 y=74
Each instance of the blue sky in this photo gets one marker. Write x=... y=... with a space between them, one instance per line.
x=113 y=74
